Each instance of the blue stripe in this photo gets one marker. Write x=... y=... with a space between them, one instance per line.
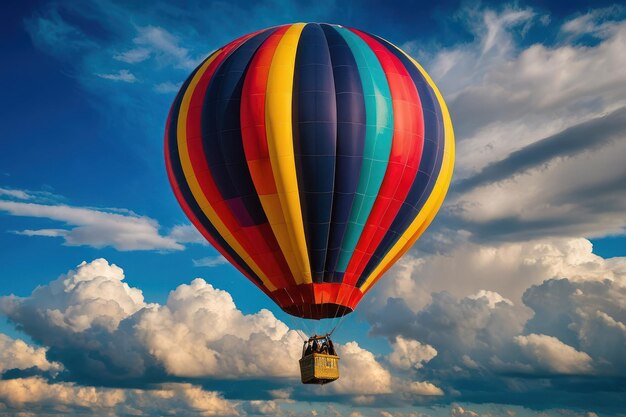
x=351 y=126
x=221 y=134
x=378 y=140
x=315 y=141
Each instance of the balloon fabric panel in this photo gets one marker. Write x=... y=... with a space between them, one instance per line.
x=378 y=137
x=406 y=152
x=429 y=168
x=351 y=131
x=185 y=197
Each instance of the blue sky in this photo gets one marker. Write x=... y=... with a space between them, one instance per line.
x=511 y=304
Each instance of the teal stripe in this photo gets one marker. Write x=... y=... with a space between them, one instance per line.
x=378 y=137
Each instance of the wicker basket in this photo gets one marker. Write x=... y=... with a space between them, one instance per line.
x=319 y=368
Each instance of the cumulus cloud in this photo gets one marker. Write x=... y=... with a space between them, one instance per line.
x=462 y=332
x=587 y=315
x=553 y=355
x=121 y=229
x=564 y=330
x=37 y=395
x=422 y=388
x=101 y=329
x=16 y=354
x=93 y=321
x=492 y=298
x=463 y=268
x=361 y=373
x=92 y=295
x=200 y=332
x=458 y=411
x=408 y=354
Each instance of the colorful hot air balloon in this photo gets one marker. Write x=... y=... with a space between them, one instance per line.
x=312 y=156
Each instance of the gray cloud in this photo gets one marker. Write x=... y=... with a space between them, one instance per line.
x=586 y=136
x=572 y=338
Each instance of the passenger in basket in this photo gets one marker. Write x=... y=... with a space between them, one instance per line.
x=316 y=346
x=331 y=348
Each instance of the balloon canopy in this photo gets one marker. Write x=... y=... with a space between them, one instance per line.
x=312 y=156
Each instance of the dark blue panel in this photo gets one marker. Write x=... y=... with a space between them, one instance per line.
x=430 y=164
x=315 y=141
x=221 y=134
x=180 y=180
x=350 y=143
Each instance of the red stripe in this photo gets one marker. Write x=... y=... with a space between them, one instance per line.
x=253 y=113
x=194 y=220
x=406 y=153
x=257 y=241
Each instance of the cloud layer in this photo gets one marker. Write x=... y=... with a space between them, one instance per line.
x=121 y=229
x=102 y=331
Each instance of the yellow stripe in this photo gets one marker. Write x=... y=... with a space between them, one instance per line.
x=287 y=222
x=192 y=181
x=435 y=200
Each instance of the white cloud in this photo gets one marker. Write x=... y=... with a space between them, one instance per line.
x=43 y=232
x=187 y=233
x=566 y=327
x=19 y=194
x=167 y=87
x=523 y=94
x=133 y=56
x=361 y=373
x=200 y=332
x=210 y=261
x=408 y=353
x=458 y=411
x=35 y=394
x=546 y=201
x=122 y=75
x=31 y=393
x=121 y=229
x=422 y=388
x=587 y=315
x=16 y=354
x=510 y=104
x=597 y=22
x=464 y=268
x=265 y=408
x=94 y=322
x=551 y=354
x=165 y=46
x=281 y=394
x=493 y=298
x=92 y=295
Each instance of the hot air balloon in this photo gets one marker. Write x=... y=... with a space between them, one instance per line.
x=312 y=156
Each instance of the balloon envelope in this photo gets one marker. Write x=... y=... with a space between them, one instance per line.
x=312 y=156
